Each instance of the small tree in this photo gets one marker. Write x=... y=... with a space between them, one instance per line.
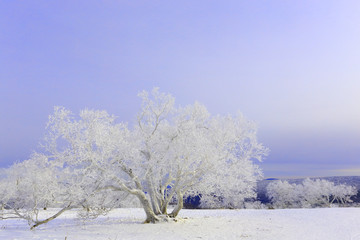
x=31 y=186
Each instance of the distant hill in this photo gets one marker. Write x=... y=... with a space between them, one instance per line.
x=348 y=180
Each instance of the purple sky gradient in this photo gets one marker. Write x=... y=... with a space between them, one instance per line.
x=291 y=66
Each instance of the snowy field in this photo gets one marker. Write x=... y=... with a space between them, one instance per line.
x=289 y=224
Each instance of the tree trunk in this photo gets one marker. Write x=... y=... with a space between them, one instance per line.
x=164 y=208
x=150 y=215
x=179 y=205
x=154 y=200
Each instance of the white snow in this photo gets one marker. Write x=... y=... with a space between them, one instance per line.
x=302 y=224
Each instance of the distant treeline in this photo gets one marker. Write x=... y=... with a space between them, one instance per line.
x=348 y=180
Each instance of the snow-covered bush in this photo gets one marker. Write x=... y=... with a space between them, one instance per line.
x=310 y=193
x=282 y=194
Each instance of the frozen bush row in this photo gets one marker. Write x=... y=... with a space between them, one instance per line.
x=308 y=194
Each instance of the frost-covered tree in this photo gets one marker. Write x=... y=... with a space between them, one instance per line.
x=310 y=193
x=169 y=151
x=30 y=186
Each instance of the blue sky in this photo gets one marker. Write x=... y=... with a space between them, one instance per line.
x=291 y=66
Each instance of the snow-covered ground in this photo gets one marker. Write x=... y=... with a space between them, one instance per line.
x=289 y=224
